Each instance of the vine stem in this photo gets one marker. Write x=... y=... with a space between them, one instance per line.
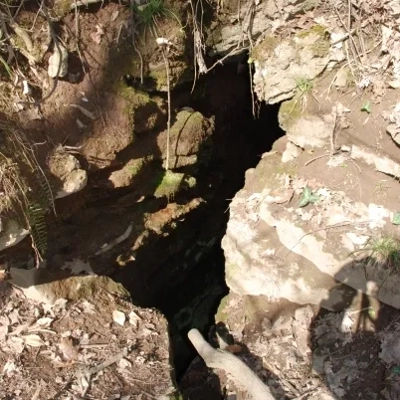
x=166 y=62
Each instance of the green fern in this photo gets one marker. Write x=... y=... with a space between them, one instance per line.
x=36 y=219
x=28 y=192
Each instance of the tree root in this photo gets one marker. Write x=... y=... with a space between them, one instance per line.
x=237 y=370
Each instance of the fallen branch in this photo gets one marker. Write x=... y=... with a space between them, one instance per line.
x=238 y=371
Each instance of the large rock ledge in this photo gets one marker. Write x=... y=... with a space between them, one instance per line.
x=275 y=248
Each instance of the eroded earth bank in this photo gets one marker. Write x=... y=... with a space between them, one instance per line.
x=229 y=166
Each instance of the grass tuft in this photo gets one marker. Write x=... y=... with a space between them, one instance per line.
x=384 y=250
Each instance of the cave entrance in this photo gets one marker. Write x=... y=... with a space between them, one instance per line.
x=190 y=284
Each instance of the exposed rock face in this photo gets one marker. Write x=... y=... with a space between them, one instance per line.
x=236 y=20
x=284 y=66
x=314 y=230
x=300 y=223
x=275 y=248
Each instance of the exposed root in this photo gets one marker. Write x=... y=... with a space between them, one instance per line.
x=238 y=371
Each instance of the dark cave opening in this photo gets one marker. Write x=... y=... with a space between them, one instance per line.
x=180 y=273
x=189 y=295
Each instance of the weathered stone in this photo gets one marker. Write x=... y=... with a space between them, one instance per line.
x=41 y=285
x=304 y=128
x=291 y=152
x=284 y=67
x=127 y=174
x=58 y=62
x=172 y=182
x=276 y=249
x=230 y=30
x=189 y=136
x=66 y=170
x=11 y=233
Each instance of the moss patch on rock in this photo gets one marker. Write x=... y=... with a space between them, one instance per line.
x=317 y=39
x=190 y=136
x=264 y=48
x=127 y=174
x=289 y=112
x=170 y=183
x=222 y=314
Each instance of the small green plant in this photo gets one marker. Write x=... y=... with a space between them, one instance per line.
x=366 y=107
x=396 y=219
x=304 y=85
x=384 y=250
x=308 y=197
x=148 y=12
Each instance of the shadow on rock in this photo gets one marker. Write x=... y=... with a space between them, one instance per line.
x=357 y=349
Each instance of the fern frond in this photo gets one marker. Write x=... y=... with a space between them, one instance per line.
x=36 y=219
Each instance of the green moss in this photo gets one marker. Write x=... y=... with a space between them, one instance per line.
x=319 y=40
x=170 y=183
x=188 y=120
x=320 y=48
x=62 y=7
x=178 y=73
x=134 y=99
x=289 y=112
x=264 y=48
x=134 y=167
x=221 y=315
x=319 y=30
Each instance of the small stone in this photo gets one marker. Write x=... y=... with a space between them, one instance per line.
x=119 y=317
x=58 y=62
x=291 y=152
x=341 y=78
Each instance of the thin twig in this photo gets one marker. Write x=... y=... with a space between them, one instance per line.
x=165 y=56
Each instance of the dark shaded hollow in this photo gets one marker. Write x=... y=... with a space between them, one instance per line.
x=190 y=296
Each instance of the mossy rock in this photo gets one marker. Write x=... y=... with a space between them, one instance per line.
x=289 y=112
x=173 y=182
x=134 y=101
x=221 y=315
x=190 y=139
x=317 y=38
x=264 y=48
x=127 y=174
x=179 y=72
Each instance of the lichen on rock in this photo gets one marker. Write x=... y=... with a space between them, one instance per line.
x=281 y=64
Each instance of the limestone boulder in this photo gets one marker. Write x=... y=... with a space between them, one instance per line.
x=234 y=21
x=190 y=138
x=294 y=231
x=284 y=67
